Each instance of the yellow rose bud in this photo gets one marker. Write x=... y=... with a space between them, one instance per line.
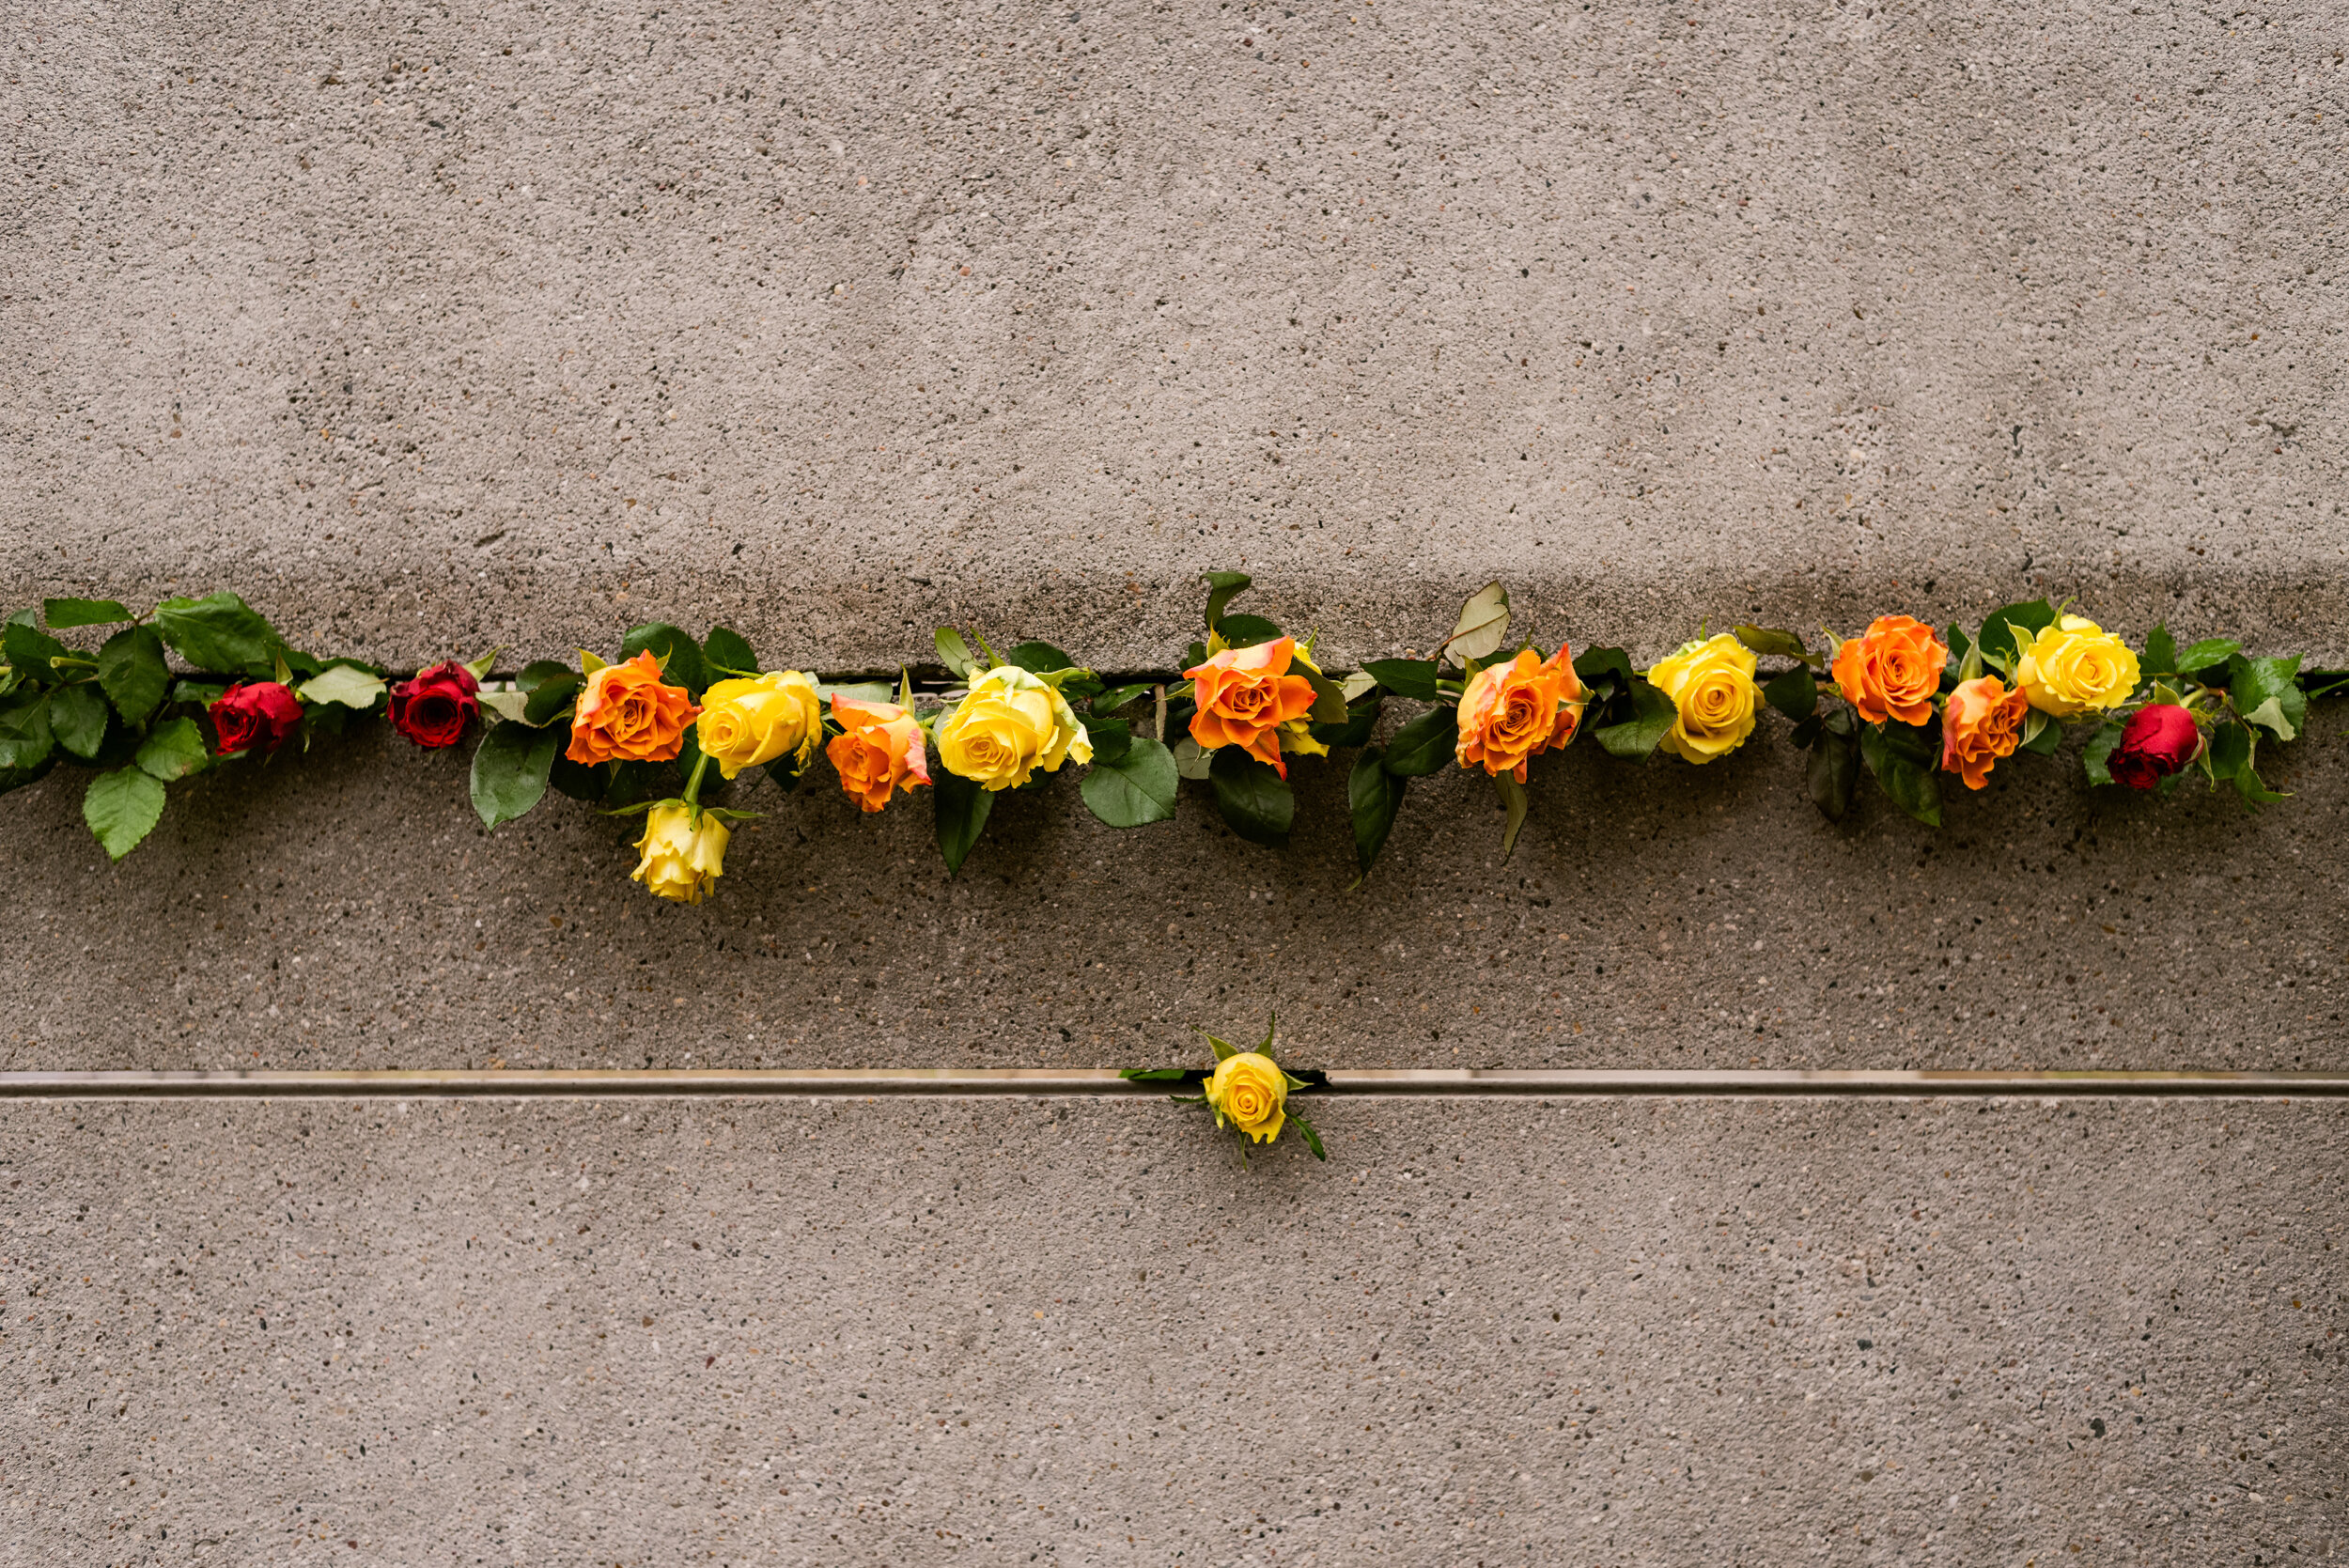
x=747 y=723
x=2075 y=666
x=1248 y=1090
x=680 y=860
x=1711 y=685
x=1011 y=724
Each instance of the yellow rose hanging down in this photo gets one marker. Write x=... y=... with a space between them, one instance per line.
x=2075 y=666
x=748 y=722
x=682 y=858
x=1711 y=686
x=1012 y=723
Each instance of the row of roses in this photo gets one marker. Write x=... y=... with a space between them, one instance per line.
x=673 y=721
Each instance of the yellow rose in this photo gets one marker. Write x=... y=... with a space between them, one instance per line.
x=747 y=723
x=2076 y=665
x=1711 y=684
x=681 y=861
x=1249 y=1089
x=1010 y=724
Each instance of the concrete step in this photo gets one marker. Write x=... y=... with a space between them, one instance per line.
x=1651 y=1331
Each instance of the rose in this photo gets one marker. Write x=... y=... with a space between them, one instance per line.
x=1892 y=670
x=681 y=858
x=1513 y=711
x=879 y=751
x=744 y=724
x=1011 y=724
x=2160 y=739
x=1248 y=1088
x=1711 y=687
x=433 y=709
x=255 y=717
x=1244 y=695
x=1981 y=724
x=626 y=714
x=2076 y=665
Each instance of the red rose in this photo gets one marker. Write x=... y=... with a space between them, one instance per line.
x=2159 y=740
x=256 y=718
x=433 y=710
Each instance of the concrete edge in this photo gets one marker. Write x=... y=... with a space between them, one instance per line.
x=870 y=1083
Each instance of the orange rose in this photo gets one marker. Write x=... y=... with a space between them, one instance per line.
x=626 y=715
x=879 y=751
x=1245 y=696
x=1513 y=711
x=1893 y=671
x=1981 y=724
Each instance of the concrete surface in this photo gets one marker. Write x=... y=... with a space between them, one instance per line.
x=434 y=327
x=347 y=910
x=1581 y=1332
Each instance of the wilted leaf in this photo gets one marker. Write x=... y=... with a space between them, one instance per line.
x=1484 y=623
x=345 y=684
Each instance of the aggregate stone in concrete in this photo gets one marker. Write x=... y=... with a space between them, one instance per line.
x=647 y=1331
x=346 y=909
x=443 y=327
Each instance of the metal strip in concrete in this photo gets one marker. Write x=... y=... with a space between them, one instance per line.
x=949 y=1081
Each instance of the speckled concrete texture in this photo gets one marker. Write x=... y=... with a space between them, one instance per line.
x=440 y=326
x=648 y=1332
x=349 y=911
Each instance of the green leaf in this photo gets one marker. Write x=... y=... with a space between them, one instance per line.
x=2266 y=692
x=1772 y=643
x=219 y=632
x=28 y=649
x=1795 y=693
x=1221 y=588
x=62 y=614
x=1153 y=1075
x=25 y=738
x=1962 y=648
x=1312 y=1139
x=345 y=684
x=1191 y=760
x=1254 y=800
x=2161 y=653
x=954 y=652
x=728 y=654
x=2041 y=736
x=1601 y=665
x=551 y=695
x=962 y=807
x=1040 y=658
x=1997 y=639
x=681 y=657
x=203 y=694
x=2097 y=756
x=1373 y=796
x=539 y=671
x=121 y=808
x=1834 y=771
x=1425 y=744
x=1484 y=623
x=1415 y=678
x=131 y=670
x=174 y=751
x=2254 y=793
x=77 y=716
x=1137 y=789
x=581 y=781
x=1246 y=631
x=1111 y=701
x=2229 y=752
x=1638 y=737
x=1360 y=721
x=1224 y=1051
x=1511 y=797
x=2203 y=655
x=1111 y=738
x=1910 y=783
x=510 y=770
x=1329 y=699
x=20 y=778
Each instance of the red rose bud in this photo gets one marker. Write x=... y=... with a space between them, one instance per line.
x=433 y=710
x=2159 y=740
x=255 y=716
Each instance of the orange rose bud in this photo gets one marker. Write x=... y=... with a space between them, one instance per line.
x=1514 y=711
x=1982 y=723
x=1245 y=696
x=1893 y=671
x=625 y=714
x=879 y=751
